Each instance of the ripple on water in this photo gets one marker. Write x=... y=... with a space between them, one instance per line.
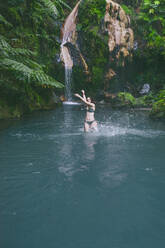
x=27 y=136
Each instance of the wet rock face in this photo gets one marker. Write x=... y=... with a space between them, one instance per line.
x=120 y=38
x=70 y=52
x=112 y=41
x=117 y=25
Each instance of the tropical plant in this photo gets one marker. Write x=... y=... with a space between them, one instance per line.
x=158 y=109
x=20 y=63
x=51 y=6
x=28 y=46
x=17 y=62
x=126 y=98
x=152 y=15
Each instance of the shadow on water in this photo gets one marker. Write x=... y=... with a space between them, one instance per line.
x=61 y=187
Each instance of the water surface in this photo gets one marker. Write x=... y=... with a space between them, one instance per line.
x=61 y=188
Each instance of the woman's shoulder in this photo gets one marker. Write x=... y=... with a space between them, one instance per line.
x=92 y=104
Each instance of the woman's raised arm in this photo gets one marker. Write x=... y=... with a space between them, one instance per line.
x=84 y=100
x=83 y=93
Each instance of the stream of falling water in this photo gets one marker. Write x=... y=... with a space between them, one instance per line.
x=68 y=83
x=68 y=34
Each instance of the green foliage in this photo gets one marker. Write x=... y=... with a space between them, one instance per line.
x=62 y=4
x=128 y=10
x=28 y=45
x=91 y=13
x=148 y=23
x=12 y=62
x=126 y=98
x=94 y=44
x=158 y=110
x=145 y=101
x=50 y=6
x=26 y=74
x=152 y=16
x=4 y=21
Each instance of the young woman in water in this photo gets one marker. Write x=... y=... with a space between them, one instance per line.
x=90 y=122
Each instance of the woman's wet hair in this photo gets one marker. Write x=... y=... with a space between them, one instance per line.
x=92 y=100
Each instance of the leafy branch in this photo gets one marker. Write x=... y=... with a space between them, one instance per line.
x=18 y=62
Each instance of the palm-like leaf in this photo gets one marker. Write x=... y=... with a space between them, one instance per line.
x=4 y=43
x=13 y=65
x=31 y=63
x=50 y=6
x=63 y=3
x=25 y=72
x=19 y=63
x=25 y=69
x=5 y=47
x=4 y=21
x=44 y=79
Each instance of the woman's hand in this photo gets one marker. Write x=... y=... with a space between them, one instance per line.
x=83 y=91
x=77 y=95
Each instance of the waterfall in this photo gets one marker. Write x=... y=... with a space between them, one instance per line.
x=68 y=36
x=68 y=82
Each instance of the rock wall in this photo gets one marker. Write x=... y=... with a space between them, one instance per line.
x=70 y=52
x=120 y=36
x=117 y=24
x=104 y=36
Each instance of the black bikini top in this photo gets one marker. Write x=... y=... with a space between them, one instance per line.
x=90 y=109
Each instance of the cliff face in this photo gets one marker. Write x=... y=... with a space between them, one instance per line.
x=117 y=25
x=105 y=38
x=120 y=37
x=70 y=52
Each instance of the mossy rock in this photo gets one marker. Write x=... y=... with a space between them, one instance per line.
x=30 y=103
x=8 y=112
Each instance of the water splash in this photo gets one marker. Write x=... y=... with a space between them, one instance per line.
x=111 y=130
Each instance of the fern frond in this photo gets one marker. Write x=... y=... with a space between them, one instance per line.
x=5 y=47
x=4 y=21
x=50 y=6
x=24 y=73
x=22 y=51
x=29 y=62
x=13 y=65
x=4 y=43
x=32 y=64
x=63 y=3
x=44 y=79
